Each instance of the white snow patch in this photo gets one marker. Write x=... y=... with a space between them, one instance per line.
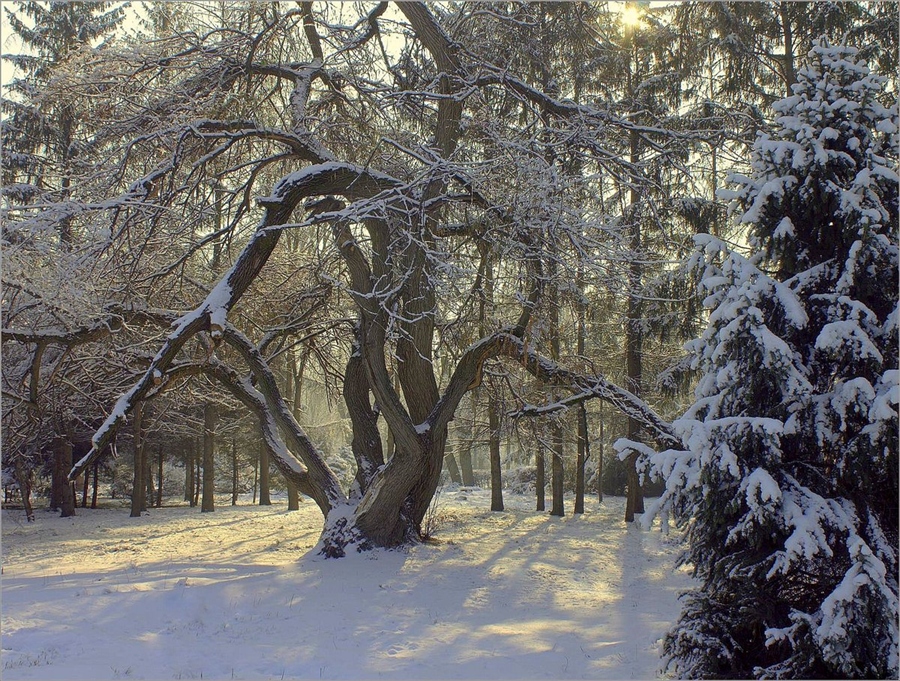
x=180 y=594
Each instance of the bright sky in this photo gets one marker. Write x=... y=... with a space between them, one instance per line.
x=10 y=43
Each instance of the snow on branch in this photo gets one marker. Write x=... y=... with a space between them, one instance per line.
x=79 y=336
x=509 y=344
x=585 y=388
x=253 y=399
x=210 y=315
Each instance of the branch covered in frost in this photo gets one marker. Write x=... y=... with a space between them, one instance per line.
x=210 y=315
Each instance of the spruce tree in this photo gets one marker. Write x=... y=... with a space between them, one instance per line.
x=41 y=134
x=789 y=485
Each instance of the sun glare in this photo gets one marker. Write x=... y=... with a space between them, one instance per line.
x=631 y=15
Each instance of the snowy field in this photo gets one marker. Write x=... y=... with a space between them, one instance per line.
x=234 y=595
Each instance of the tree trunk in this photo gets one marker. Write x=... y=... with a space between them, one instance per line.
x=85 y=483
x=557 y=471
x=189 y=471
x=452 y=468
x=540 y=481
x=137 y=487
x=59 y=473
x=633 y=332
x=295 y=381
x=256 y=472
x=210 y=419
x=198 y=477
x=465 y=450
x=234 y=473
x=787 y=30
x=95 y=490
x=151 y=490
x=496 y=479
x=23 y=477
x=486 y=301
x=581 y=458
x=465 y=461
x=583 y=451
x=264 y=499
x=160 y=454
x=634 y=502
x=600 y=460
x=293 y=497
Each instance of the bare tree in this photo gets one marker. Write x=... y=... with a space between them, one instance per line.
x=401 y=206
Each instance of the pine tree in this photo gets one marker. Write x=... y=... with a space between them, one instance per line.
x=789 y=485
x=40 y=134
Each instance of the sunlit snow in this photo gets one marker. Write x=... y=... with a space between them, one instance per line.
x=178 y=594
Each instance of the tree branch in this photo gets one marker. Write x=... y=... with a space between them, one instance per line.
x=210 y=315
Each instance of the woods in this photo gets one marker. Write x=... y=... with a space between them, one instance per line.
x=359 y=242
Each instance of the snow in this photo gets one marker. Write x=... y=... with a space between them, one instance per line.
x=236 y=594
x=286 y=183
x=840 y=335
x=217 y=304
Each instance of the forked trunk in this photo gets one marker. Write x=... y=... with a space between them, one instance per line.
x=392 y=509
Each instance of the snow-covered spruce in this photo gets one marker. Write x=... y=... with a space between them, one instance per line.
x=788 y=485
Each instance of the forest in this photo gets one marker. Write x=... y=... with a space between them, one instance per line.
x=361 y=255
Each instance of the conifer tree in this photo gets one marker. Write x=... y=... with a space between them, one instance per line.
x=788 y=487
x=40 y=134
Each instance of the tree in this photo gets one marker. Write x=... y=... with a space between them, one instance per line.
x=138 y=488
x=41 y=135
x=210 y=420
x=42 y=141
x=788 y=486
x=401 y=185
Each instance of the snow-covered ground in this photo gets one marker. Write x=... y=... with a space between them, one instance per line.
x=235 y=595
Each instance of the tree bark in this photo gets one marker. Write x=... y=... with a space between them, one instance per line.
x=210 y=420
x=293 y=495
x=96 y=486
x=189 y=471
x=234 y=473
x=465 y=449
x=63 y=462
x=295 y=376
x=486 y=301
x=581 y=458
x=198 y=474
x=540 y=481
x=256 y=473
x=496 y=474
x=148 y=477
x=159 y=476
x=600 y=460
x=264 y=498
x=557 y=472
x=583 y=451
x=23 y=477
x=56 y=479
x=138 y=490
x=787 y=30
x=633 y=331
x=452 y=468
